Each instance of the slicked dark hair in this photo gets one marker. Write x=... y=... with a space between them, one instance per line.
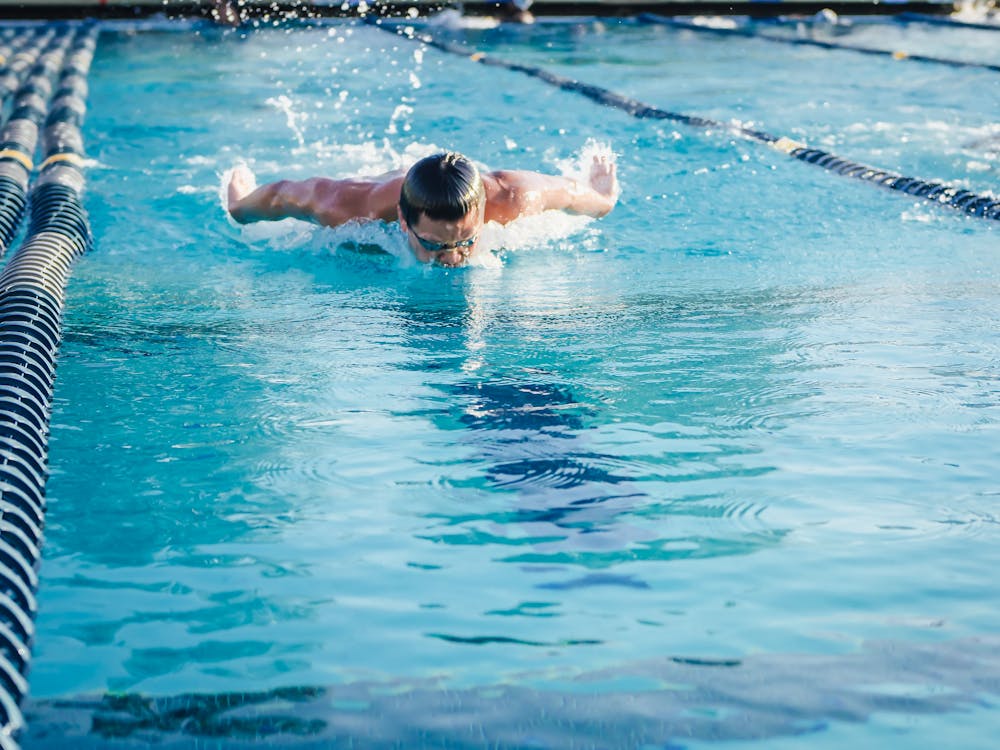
x=444 y=187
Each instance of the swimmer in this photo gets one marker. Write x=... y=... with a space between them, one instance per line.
x=441 y=203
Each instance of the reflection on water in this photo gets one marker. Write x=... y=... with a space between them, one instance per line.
x=663 y=703
x=575 y=503
x=588 y=487
x=496 y=405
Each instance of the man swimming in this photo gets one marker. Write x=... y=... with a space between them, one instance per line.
x=441 y=202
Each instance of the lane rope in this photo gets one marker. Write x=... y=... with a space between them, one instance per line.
x=32 y=296
x=748 y=34
x=28 y=81
x=982 y=206
x=18 y=55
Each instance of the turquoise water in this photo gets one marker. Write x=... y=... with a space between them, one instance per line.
x=721 y=465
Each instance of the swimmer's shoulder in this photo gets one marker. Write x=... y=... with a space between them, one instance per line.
x=505 y=194
x=504 y=180
x=383 y=197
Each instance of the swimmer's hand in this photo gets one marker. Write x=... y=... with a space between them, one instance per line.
x=604 y=178
x=241 y=183
x=531 y=193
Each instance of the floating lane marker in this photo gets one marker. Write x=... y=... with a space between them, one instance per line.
x=69 y=156
x=32 y=296
x=19 y=156
x=29 y=81
x=983 y=206
x=787 y=145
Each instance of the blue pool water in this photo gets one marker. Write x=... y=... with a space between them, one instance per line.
x=720 y=466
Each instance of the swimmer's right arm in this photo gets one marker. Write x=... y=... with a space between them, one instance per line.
x=317 y=199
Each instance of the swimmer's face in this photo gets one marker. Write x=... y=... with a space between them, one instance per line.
x=447 y=243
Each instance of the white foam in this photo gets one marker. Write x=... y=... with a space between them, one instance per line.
x=978 y=166
x=975 y=11
x=530 y=232
x=200 y=161
x=715 y=22
x=194 y=189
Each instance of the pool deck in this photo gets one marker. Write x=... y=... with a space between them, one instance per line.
x=46 y=9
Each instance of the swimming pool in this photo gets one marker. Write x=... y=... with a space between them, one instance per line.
x=720 y=466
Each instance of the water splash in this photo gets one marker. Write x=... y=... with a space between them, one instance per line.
x=547 y=229
x=400 y=115
x=294 y=119
x=975 y=11
x=577 y=166
x=529 y=232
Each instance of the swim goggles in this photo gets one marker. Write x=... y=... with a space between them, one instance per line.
x=440 y=247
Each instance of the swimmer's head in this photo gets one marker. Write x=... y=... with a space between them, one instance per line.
x=443 y=186
x=441 y=208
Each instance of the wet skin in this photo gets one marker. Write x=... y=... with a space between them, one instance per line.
x=444 y=232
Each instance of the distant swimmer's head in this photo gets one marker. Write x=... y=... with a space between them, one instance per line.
x=441 y=208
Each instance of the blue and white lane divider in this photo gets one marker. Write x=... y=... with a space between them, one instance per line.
x=16 y=57
x=749 y=34
x=32 y=294
x=25 y=75
x=983 y=206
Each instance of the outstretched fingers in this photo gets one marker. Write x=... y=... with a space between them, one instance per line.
x=603 y=175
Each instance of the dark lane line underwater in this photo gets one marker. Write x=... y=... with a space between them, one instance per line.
x=666 y=703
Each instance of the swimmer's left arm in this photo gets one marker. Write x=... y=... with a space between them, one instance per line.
x=532 y=193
